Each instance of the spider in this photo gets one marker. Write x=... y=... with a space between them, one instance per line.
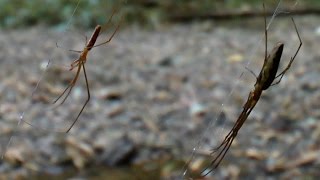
x=265 y=79
x=80 y=64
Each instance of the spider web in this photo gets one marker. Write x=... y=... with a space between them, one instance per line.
x=46 y=65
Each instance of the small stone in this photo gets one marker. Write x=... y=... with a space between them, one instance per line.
x=275 y=162
x=197 y=164
x=120 y=153
x=110 y=94
x=235 y=58
x=32 y=166
x=15 y=156
x=255 y=154
x=166 y=62
x=115 y=110
x=197 y=110
x=162 y=96
x=305 y=158
x=234 y=171
x=81 y=153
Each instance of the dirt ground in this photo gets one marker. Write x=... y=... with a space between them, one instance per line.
x=155 y=94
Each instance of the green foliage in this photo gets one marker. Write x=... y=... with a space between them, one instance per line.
x=17 y=13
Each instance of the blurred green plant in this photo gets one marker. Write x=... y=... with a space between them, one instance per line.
x=18 y=14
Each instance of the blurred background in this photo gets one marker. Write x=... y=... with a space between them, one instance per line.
x=15 y=14
x=172 y=77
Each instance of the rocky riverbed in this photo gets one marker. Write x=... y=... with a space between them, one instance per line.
x=153 y=95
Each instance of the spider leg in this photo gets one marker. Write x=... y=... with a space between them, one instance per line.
x=74 y=64
x=69 y=87
x=265 y=33
x=224 y=141
x=254 y=74
x=110 y=38
x=110 y=18
x=292 y=58
x=60 y=47
x=88 y=98
x=217 y=160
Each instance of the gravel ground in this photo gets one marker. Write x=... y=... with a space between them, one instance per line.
x=153 y=94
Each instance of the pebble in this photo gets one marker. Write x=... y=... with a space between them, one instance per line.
x=115 y=110
x=166 y=62
x=234 y=171
x=15 y=156
x=305 y=158
x=197 y=109
x=109 y=93
x=197 y=165
x=122 y=151
x=80 y=152
x=255 y=154
x=161 y=96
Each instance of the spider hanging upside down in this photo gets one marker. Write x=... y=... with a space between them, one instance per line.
x=264 y=80
x=80 y=64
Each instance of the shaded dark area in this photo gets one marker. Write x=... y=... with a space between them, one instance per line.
x=148 y=13
x=179 y=17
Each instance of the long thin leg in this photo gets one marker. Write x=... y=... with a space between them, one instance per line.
x=254 y=74
x=292 y=58
x=70 y=87
x=217 y=160
x=65 y=90
x=74 y=64
x=88 y=92
x=265 y=33
x=110 y=18
x=68 y=49
x=110 y=38
x=76 y=51
x=223 y=148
